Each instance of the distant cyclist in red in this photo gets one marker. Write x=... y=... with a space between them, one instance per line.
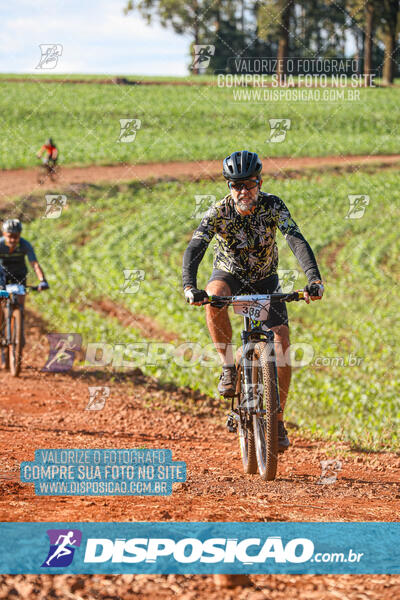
x=49 y=149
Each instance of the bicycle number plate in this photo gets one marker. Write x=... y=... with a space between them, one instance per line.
x=254 y=310
x=15 y=288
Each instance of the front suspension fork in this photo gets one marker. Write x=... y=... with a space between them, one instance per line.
x=246 y=337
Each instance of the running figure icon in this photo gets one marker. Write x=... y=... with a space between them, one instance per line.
x=62 y=549
x=63 y=543
x=63 y=347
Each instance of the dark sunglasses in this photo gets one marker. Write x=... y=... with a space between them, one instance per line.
x=247 y=186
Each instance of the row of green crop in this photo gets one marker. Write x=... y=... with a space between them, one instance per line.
x=133 y=227
x=84 y=120
x=37 y=76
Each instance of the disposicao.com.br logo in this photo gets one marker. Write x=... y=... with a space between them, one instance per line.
x=167 y=553
x=191 y=550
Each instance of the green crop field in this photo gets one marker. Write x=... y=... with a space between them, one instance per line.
x=91 y=77
x=146 y=228
x=84 y=121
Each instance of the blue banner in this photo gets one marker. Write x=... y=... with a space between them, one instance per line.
x=103 y=472
x=200 y=548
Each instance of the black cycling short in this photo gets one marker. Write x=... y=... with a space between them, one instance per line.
x=17 y=278
x=278 y=314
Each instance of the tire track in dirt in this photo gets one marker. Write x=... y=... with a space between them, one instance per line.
x=15 y=182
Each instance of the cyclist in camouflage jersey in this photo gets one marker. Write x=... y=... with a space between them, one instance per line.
x=246 y=262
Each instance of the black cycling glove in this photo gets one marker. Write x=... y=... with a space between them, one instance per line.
x=43 y=285
x=193 y=295
x=315 y=288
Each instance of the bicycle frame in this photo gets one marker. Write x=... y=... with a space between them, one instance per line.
x=251 y=334
x=255 y=416
x=7 y=343
x=47 y=171
x=10 y=301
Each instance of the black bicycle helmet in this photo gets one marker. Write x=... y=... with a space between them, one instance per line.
x=12 y=226
x=241 y=165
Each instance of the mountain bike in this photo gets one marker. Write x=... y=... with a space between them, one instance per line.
x=255 y=406
x=12 y=331
x=49 y=171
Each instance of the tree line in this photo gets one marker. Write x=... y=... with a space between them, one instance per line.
x=284 y=29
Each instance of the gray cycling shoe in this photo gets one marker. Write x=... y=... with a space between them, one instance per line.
x=283 y=440
x=227 y=382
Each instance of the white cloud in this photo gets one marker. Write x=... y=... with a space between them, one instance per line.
x=96 y=36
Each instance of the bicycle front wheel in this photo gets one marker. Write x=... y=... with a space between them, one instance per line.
x=15 y=348
x=54 y=172
x=245 y=427
x=4 y=347
x=265 y=421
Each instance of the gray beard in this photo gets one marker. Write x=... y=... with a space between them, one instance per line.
x=246 y=207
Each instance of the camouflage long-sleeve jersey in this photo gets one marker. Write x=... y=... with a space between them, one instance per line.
x=245 y=245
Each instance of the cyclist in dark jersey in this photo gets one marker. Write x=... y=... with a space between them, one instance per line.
x=13 y=250
x=245 y=262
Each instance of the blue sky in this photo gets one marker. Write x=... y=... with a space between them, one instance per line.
x=96 y=37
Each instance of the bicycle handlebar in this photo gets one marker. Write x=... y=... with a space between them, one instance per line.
x=220 y=301
x=5 y=294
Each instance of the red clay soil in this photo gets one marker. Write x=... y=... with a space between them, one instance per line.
x=198 y=587
x=15 y=182
x=40 y=410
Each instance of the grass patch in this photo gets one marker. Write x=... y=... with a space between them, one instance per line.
x=84 y=121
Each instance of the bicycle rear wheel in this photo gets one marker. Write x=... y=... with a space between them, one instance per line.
x=265 y=425
x=15 y=348
x=245 y=427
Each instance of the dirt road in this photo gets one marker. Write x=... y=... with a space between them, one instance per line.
x=41 y=410
x=44 y=410
x=48 y=411
x=15 y=182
